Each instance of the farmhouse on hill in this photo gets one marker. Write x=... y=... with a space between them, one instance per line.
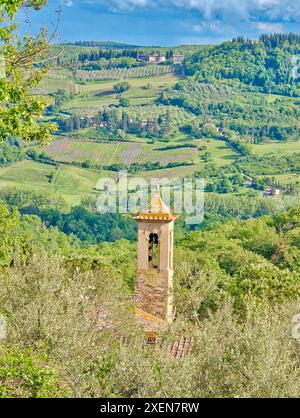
x=153 y=58
x=156 y=58
x=272 y=192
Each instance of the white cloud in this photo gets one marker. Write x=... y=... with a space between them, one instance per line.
x=256 y=10
x=269 y=27
x=198 y=28
x=215 y=26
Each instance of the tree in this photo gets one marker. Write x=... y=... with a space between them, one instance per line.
x=124 y=122
x=121 y=135
x=124 y=102
x=163 y=98
x=207 y=156
x=121 y=87
x=19 y=108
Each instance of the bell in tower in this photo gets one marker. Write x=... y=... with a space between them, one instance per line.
x=154 y=284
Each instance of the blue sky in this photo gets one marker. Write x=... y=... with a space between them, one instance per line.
x=165 y=22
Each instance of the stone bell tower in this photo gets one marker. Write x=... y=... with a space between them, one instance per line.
x=154 y=285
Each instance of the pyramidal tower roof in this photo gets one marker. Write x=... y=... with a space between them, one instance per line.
x=157 y=210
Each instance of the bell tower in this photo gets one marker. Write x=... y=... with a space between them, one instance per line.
x=154 y=285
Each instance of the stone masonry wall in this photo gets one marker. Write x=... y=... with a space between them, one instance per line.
x=152 y=293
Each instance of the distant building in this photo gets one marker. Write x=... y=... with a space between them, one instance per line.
x=157 y=58
x=152 y=58
x=221 y=131
x=178 y=59
x=271 y=192
x=248 y=183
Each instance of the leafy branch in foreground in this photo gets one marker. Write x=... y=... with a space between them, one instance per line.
x=20 y=110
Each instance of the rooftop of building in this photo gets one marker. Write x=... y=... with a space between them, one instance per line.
x=156 y=211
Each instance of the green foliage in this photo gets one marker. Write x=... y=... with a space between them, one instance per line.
x=280 y=40
x=100 y=134
x=251 y=259
x=121 y=255
x=25 y=199
x=26 y=232
x=222 y=208
x=10 y=152
x=60 y=96
x=51 y=239
x=121 y=87
x=9 y=220
x=224 y=179
x=59 y=308
x=25 y=374
x=19 y=108
x=89 y=227
x=229 y=105
x=121 y=62
x=243 y=149
x=249 y=63
x=124 y=102
x=270 y=164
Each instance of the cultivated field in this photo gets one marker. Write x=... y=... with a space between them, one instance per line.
x=73 y=183
x=126 y=73
x=105 y=154
x=94 y=96
x=57 y=79
x=179 y=115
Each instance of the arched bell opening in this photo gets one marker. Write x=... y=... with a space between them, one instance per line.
x=153 y=253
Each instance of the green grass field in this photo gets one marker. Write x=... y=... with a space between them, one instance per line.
x=279 y=148
x=72 y=183
x=98 y=94
x=26 y=173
